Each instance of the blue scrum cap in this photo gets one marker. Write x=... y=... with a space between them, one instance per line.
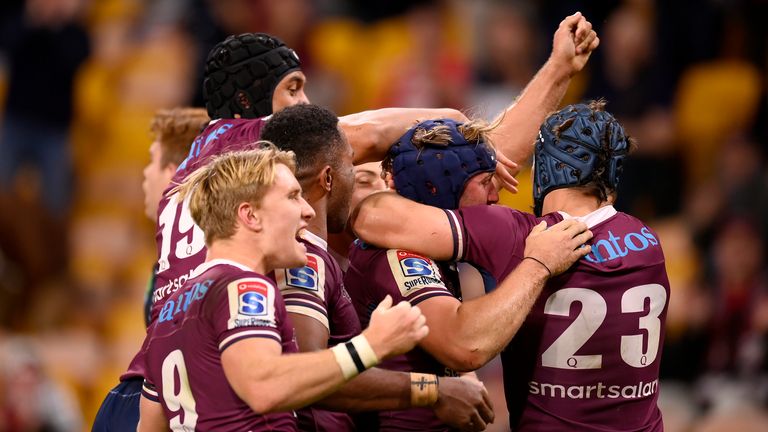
x=435 y=170
x=577 y=145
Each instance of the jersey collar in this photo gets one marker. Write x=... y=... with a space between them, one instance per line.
x=594 y=218
x=202 y=268
x=314 y=239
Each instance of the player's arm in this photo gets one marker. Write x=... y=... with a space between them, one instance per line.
x=151 y=415
x=390 y=221
x=311 y=335
x=572 y=45
x=372 y=133
x=465 y=336
x=463 y=404
x=270 y=382
x=373 y=390
x=306 y=305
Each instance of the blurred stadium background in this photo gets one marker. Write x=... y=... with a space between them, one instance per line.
x=84 y=77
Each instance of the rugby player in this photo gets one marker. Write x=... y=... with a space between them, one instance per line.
x=587 y=356
x=221 y=355
x=317 y=302
x=173 y=130
x=250 y=76
x=254 y=75
x=449 y=165
x=369 y=178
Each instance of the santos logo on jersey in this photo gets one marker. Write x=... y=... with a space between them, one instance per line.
x=304 y=277
x=610 y=249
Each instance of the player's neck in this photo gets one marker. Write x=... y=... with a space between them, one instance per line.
x=571 y=201
x=340 y=242
x=318 y=225
x=233 y=250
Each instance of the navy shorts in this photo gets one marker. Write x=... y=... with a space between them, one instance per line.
x=120 y=410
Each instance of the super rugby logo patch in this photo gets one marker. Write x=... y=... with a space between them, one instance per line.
x=310 y=278
x=252 y=298
x=251 y=303
x=306 y=277
x=414 y=265
x=413 y=272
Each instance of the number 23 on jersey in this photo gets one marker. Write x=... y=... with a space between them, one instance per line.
x=635 y=352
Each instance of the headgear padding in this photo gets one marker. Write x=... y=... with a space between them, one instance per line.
x=436 y=174
x=241 y=74
x=576 y=145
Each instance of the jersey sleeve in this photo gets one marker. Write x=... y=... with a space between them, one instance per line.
x=245 y=308
x=407 y=276
x=489 y=236
x=304 y=289
x=149 y=391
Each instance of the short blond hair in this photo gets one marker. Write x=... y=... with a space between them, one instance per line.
x=215 y=190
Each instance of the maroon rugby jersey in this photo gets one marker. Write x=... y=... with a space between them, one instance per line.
x=181 y=243
x=372 y=274
x=317 y=290
x=587 y=357
x=222 y=303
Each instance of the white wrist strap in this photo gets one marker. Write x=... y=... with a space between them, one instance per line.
x=355 y=356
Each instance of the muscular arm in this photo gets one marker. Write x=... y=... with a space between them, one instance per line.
x=519 y=124
x=371 y=133
x=462 y=403
x=465 y=336
x=270 y=382
x=389 y=221
x=373 y=390
x=311 y=335
x=459 y=401
x=572 y=45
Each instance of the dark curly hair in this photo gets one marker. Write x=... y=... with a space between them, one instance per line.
x=310 y=131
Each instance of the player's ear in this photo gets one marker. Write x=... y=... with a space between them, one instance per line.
x=249 y=216
x=325 y=178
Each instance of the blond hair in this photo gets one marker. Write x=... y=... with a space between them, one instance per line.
x=216 y=190
x=175 y=129
x=473 y=131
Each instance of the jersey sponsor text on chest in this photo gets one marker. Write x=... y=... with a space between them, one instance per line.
x=597 y=391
